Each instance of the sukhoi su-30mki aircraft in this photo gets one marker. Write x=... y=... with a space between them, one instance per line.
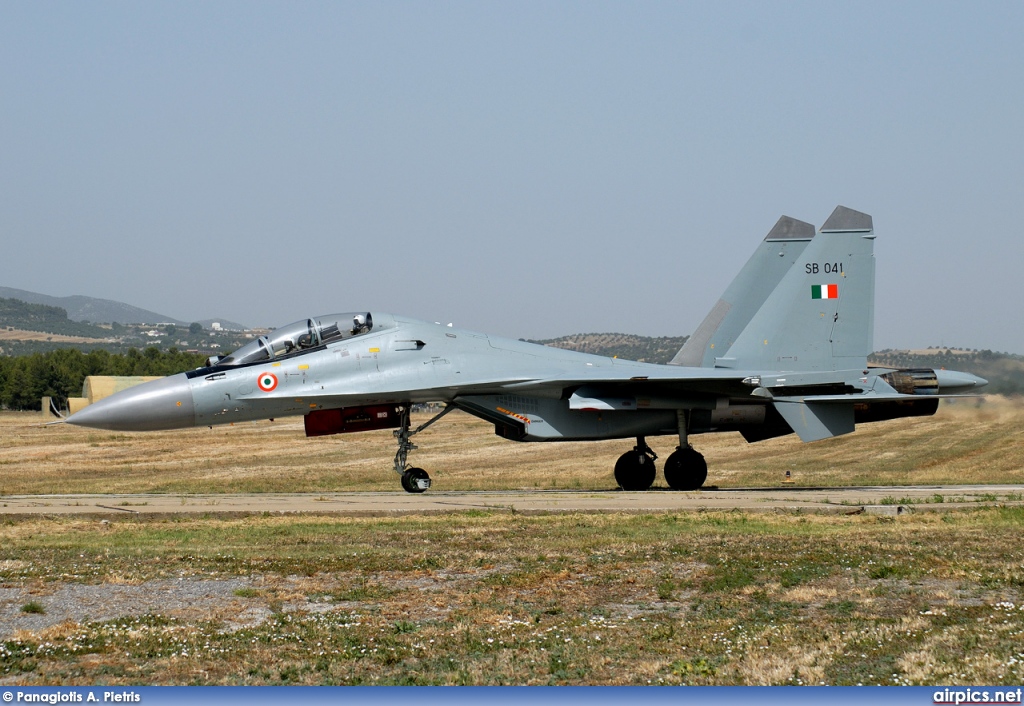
x=783 y=351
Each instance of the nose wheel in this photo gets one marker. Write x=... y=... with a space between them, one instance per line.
x=635 y=469
x=414 y=480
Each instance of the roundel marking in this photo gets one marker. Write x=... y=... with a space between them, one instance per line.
x=267 y=382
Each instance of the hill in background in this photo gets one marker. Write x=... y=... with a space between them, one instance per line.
x=646 y=349
x=18 y=314
x=80 y=308
x=104 y=311
x=27 y=329
x=1004 y=371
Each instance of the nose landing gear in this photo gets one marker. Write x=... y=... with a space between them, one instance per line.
x=414 y=480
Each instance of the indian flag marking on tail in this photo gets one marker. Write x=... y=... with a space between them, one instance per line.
x=824 y=291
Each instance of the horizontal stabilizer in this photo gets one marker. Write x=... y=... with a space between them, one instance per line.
x=814 y=421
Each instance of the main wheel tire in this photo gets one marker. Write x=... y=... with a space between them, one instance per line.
x=410 y=478
x=686 y=469
x=635 y=471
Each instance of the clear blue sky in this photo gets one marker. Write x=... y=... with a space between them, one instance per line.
x=525 y=169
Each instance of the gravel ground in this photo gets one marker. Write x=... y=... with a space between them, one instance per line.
x=184 y=598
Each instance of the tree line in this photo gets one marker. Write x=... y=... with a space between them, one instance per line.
x=60 y=374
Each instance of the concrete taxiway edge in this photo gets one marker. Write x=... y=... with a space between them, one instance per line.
x=877 y=500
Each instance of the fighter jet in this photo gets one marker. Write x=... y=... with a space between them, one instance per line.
x=783 y=351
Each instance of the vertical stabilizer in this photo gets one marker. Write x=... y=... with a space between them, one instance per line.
x=821 y=314
x=744 y=297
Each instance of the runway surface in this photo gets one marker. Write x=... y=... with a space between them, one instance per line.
x=882 y=500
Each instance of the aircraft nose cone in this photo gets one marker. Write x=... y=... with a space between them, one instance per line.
x=953 y=381
x=160 y=404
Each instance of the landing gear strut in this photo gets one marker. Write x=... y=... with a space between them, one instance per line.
x=414 y=480
x=685 y=468
x=635 y=469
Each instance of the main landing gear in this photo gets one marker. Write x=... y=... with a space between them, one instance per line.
x=685 y=468
x=635 y=469
x=414 y=480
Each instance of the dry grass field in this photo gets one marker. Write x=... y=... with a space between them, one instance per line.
x=965 y=442
x=494 y=598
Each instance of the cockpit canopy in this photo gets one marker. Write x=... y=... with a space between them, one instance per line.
x=301 y=336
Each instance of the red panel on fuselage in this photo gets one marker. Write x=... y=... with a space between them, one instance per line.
x=351 y=419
